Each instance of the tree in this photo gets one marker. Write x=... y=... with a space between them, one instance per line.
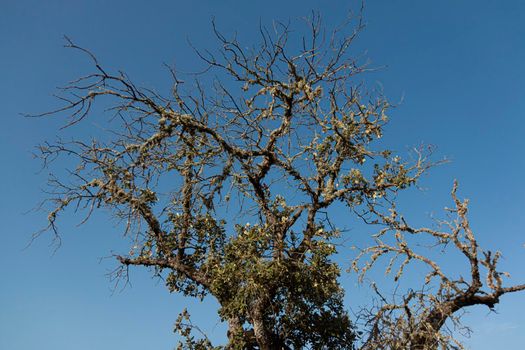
x=227 y=191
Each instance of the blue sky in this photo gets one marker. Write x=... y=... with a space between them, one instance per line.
x=457 y=66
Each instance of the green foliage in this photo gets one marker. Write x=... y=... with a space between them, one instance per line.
x=303 y=296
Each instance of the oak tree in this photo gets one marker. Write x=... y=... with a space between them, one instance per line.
x=227 y=189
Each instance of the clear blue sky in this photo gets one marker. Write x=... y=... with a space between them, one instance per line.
x=459 y=66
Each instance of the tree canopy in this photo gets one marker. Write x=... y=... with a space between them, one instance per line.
x=227 y=189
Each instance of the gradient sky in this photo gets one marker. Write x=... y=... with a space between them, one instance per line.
x=457 y=66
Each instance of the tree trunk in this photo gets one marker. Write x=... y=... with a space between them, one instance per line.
x=234 y=329
x=262 y=334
